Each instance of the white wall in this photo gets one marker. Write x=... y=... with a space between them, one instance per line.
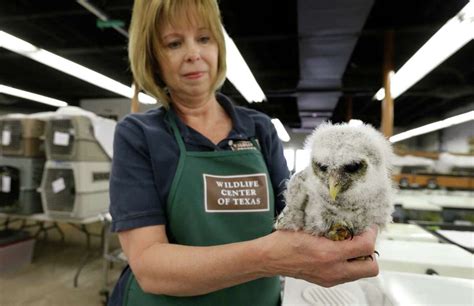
x=294 y=148
x=454 y=139
x=296 y=140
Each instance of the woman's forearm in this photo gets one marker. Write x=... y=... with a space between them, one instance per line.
x=178 y=270
x=187 y=270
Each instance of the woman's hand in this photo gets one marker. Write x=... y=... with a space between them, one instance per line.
x=318 y=259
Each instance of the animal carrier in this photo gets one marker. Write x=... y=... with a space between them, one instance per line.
x=75 y=189
x=72 y=138
x=19 y=179
x=21 y=136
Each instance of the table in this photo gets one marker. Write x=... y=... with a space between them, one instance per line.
x=388 y=289
x=443 y=230
x=425 y=257
x=407 y=232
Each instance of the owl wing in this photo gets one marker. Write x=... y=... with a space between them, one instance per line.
x=296 y=197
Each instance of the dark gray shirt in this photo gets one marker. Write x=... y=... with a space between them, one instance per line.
x=146 y=156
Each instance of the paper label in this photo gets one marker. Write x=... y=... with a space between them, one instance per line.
x=58 y=185
x=6 y=137
x=61 y=139
x=6 y=184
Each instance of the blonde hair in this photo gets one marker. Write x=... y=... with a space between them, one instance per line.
x=145 y=43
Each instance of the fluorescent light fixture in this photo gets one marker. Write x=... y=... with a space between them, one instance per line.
x=239 y=74
x=454 y=34
x=433 y=126
x=355 y=122
x=380 y=95
x=31 y=96
x=290 y=158
x=282 y=133
x=24 y=48
x=144 y=98
x=237 y=70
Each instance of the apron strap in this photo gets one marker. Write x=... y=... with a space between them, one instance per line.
x=255 y=143
x=177 y=134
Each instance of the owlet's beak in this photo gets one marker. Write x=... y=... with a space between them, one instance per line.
x=334 y=187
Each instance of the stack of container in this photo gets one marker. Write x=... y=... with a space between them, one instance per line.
x=75 y=182
x=22 y=158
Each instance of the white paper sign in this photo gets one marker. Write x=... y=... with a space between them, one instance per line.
x=6 y=184
x=61 y=139
x=58 y=185
x=6 y=137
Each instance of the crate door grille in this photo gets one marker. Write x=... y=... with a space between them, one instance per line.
x=10 y=194
x=60 y=198
x=15 y=129
x=64 y=126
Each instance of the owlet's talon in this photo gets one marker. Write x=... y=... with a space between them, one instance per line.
x=340 y=231
x=375 y=252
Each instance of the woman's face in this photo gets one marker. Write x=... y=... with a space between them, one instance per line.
x=189 y=60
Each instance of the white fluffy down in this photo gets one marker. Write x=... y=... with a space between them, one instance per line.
x=368 y=201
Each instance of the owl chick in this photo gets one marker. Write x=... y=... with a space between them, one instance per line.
x=346 y=188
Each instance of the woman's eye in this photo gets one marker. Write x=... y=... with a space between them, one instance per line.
x=204 y=39
x=174 y=44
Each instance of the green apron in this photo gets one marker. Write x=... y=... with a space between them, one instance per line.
x=217 y=197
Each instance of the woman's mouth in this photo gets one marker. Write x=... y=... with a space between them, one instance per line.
x=194 y=75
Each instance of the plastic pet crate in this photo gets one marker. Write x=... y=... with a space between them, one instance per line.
x=22 y=137
x=75 y=189
x=9 y=187
x=19 y=179
x=72 y=138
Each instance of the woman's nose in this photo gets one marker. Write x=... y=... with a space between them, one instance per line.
x=193 y=53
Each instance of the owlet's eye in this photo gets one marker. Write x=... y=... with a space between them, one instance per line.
x=321 y=167
x=352 y=168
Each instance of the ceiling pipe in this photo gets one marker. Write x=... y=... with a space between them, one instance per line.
x=101 y=15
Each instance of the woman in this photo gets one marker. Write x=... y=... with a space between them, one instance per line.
x=196 y=184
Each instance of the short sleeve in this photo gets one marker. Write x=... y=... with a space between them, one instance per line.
x=134 y=200
x=278 y=169
x=272 y=150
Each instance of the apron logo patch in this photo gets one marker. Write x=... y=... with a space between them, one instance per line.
x=236 y=193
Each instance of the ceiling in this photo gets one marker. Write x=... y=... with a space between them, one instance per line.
x=314 y=59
